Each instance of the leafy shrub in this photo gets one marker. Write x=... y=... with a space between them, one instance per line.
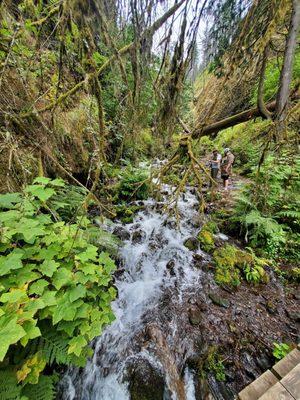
x=267 y=209
x=280 y=350
x=55 y=286
x=214 y=364
x=68 y=201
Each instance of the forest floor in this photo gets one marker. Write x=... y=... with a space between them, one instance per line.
x=244 y=323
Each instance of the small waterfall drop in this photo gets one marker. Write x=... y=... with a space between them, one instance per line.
x=156 y=262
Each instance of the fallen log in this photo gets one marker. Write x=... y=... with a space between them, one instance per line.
x=236 y=119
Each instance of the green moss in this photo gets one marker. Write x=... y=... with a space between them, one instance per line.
x=232 y=264
x=215 y=364
x=206 y=240
x=126 y=213
x=294 y=274
x=226 y=270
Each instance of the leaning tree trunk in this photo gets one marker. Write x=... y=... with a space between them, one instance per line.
x=287 y=68
x=244 y=116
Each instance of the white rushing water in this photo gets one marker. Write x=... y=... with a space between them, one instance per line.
x=139 y=289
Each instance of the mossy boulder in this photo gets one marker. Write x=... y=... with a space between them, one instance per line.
x=206 y=236
x=219 y=301
x=207 y=241
x=226 y=270
x=191 y=243
x=232 y=264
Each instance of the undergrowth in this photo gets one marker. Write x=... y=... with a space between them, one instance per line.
x=55 y=289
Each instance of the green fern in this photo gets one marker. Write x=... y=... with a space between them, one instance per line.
x=43 y=390
x=9 y=388
x=55 y=348
x=291 y=214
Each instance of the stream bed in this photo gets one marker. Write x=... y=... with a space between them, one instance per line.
x=168 y=318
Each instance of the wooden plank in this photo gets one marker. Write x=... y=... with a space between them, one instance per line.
x=277 y=392
x=284 y=366
x=258 y=387
x=292 y=382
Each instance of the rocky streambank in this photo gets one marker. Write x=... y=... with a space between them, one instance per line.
x=182 y=330
x=224 y=336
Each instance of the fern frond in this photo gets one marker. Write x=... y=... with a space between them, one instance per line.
x=55 y=348
x=43 y=390
x=292 y=214
x=9 y=388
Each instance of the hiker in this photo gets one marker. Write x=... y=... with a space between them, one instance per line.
x=215 y=163
x=226 y=167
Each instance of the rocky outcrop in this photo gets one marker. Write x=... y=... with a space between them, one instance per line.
x=146 y=381
x=121 y=233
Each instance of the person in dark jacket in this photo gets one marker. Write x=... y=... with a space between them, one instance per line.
x=226 y=167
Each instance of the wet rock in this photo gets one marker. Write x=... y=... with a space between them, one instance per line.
x=121 y=233
x=191 y=243
x=170 y=267
x=119 y=272
x=202 y=391
x=198 y=260
x=145 y=382
x=195 y=316
x=293 y=315
x=220 y=390
x=138 y=236
x=170 y=224
x=263 y=362
x=219 y=301
x=157 y=241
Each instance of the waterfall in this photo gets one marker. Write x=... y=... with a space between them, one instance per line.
x=155 y=262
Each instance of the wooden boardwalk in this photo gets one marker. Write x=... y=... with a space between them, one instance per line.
x=282 y=382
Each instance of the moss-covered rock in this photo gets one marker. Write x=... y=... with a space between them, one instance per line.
x=206 y=239
x=232 y=264
x=191 y=243
x=294 y=274
x=206 y=236
x=226 y=270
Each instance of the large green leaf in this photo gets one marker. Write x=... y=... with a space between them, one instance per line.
x=48 y=267
x=65 y=310
x=32 y=332
x=8 y=200
x=10 y=262
x=14 y=296
x=89 y=254
x=76 y=345
x=10 y=333
x=38 y=287
x=40 y=192
x=77 y=292
x=61 y=278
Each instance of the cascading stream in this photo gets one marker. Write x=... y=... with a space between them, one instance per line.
x=155 y=244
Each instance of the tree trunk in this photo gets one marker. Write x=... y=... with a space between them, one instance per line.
x=236 y=119
x=260 y=96
x=286 y=71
